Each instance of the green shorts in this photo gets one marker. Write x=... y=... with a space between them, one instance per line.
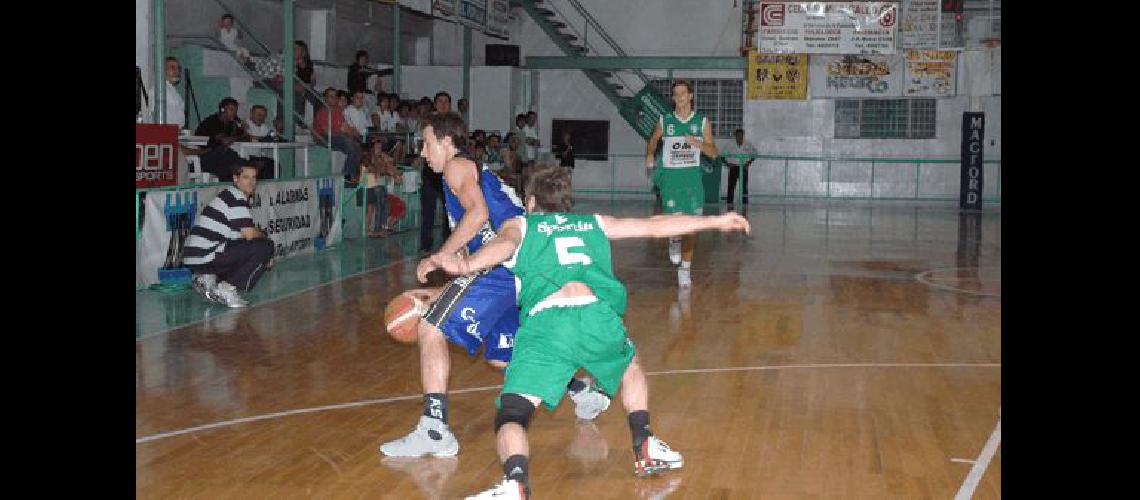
x=551 y=345
x=682 y=190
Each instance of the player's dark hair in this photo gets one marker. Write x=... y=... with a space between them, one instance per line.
x=448 y=124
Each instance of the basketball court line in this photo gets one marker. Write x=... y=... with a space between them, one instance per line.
x=922 y=278
x=966 y=491
x=232 y=311
x=368 y=402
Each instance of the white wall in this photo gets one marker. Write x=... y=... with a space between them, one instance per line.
x=144 y=55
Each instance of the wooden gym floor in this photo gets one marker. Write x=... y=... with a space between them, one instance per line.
x=843 y=350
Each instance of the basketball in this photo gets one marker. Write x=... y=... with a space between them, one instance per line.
x=402 y=317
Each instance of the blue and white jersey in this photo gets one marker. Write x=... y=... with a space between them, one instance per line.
x=502 y=204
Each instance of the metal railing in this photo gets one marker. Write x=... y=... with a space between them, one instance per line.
x=875 y=187
x=590 y=21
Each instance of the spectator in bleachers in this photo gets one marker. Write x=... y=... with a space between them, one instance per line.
x=345 y=138
x=359 y=72
x=464 y=106
x=175 y=107
x=405 y=111
x=223 y=129
x=565 y=151
x=387 y=117
x=225 y=251
x=512 y=164
x=530 y=136
x=257 y=128
x=354 y=113
x=229 y=36
x=494 y=157
x=520 y=124
x=375 y=163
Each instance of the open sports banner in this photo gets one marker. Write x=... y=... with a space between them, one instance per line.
x=856 y=76
x=827 y=27
x=777 y=76
x=300 y=216
x=931 y=73
x=156 y=155
x=499 y=18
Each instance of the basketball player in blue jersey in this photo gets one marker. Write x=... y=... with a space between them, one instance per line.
x=475 y=310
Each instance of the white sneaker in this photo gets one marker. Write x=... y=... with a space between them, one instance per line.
x=675 y=251
x=684 y=279
x=227 y=294
x=589 y=402
x=654 y=456
x=509 y=489
x=421 y=441
x=204 y=284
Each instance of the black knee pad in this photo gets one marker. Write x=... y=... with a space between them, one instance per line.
x=513 y=408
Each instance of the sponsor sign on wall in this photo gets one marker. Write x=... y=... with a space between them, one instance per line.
x=919 y=24
x=299 y=216
x=777 y=76
x=973 y=137
x=931 y=73
x=473 y=13
x=499 y=18
x=827 y=27
x=856 y=76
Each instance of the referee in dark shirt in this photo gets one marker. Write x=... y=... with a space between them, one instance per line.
x=225 y=251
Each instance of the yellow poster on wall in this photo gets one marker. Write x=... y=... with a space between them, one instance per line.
x=777 y=76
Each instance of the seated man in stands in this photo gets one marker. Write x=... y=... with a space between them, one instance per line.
x=225 y=251
x=356 y=116
x=258 y=129
x=345 y=137
x=223 y=128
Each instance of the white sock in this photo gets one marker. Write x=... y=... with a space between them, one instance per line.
x=685 y=264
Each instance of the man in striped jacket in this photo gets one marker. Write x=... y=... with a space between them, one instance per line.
x=225 y=251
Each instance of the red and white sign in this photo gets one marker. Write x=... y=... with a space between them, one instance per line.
x=156 y=155
x=827 y=27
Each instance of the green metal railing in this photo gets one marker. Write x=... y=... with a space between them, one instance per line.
x=636 y=161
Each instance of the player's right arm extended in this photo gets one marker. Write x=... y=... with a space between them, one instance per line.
x=666 y=226
x=492 y=253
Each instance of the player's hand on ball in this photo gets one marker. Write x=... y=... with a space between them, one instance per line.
x=425 y=266
x=732 y=221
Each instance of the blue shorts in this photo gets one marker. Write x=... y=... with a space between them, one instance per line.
x=476 y=310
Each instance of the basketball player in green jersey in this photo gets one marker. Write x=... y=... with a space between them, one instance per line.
x=688 y=135
x=571 y=309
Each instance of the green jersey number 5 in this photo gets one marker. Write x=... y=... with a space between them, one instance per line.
x=563 y=245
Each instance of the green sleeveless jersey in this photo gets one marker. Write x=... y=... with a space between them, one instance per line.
x=558 y=248
x=676 y=152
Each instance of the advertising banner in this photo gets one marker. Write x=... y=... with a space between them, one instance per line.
x=777 y=76
x=300 y=216
x=499 y=18
x=156 y=155
x=920 y=23
x=473 y=13
x=931 y=73
x=973 y=140
x=855 y=76
x=827 y=27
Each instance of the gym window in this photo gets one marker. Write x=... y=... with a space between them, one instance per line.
x=885 y=118
x=721 y=100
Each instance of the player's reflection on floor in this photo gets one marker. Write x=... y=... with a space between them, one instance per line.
x=589 y=446
x=429 y=473
x=657 y=487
